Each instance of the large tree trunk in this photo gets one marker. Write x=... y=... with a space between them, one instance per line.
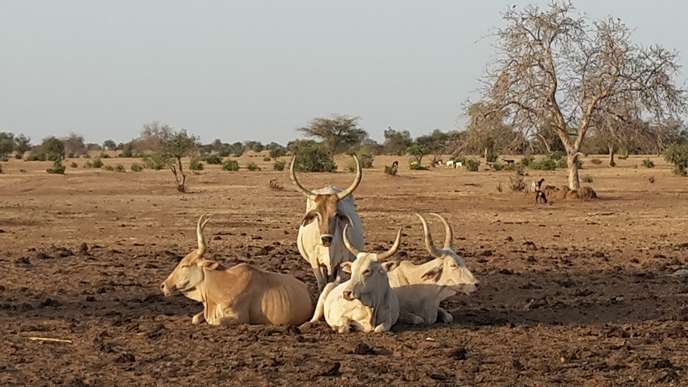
x=612 y=163
x=574 y=181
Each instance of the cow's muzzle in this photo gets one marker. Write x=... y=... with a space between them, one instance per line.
x=165 y=289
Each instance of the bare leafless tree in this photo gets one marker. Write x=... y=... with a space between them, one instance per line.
x=553 y=64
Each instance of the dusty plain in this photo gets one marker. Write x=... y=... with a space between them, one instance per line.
x=574 y=293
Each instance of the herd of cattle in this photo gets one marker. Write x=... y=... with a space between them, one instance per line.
x=378 y=293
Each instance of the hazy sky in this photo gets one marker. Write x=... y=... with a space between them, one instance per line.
x=252 y=69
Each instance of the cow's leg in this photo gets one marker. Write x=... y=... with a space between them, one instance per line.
x=410 y=318
x=320 y=307
x=384 y=327
x=444 y=316
x=319 y=277
x=198 y=318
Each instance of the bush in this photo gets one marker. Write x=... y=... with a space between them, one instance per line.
x=97 y=163
x=73 y=165
x=4 y=158
x=596 y=161
x=86 y=156
x=120 y=168
x=314 y=157
x=88 y=164
x=562 y=163
x=366 y=159
x=491 y=156
x=647 y=163
x=154 y=161
x=587 y=179
x=108 y=168
x=517 y=182
x=252 y=167
x=497 y=165
x=279 y=165
x=230 y=165
x=57 y=168
x=526 y=160
x=104 y=155
x=195 y=164
x=546 y=164
x=557 y=155
x=266 y=159
x=471 y=165
x=136 y=167
x=213 y=159
x=677 y=154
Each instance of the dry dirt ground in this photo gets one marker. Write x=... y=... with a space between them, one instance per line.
x=575 y=293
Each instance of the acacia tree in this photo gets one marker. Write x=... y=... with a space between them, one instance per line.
x=554 y=64
x=22 y=144
x=174 y=146
x=340 y=133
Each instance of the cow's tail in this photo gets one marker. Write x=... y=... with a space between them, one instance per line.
x=320 y=307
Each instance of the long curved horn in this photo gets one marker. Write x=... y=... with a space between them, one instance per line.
x=435 y=252
x=292 y=176
x=357 y=180
x=351 y=249
x=392 y=250
x=448 y=232
x=202 y=221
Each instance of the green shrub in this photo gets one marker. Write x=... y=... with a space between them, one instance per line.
x=120 y=168
x=471 y=165
x=136 y=167
x=195 y=164
x=252 y=167
x=314 y=157
x=213 y=159
x=546 y=164
x=366 y=159
x=497 y=165
x=647 y=163
x=88 y=164
x=97 y=163
x=526 y=160
x=596 y=161
x=86 y=156
x=108 y=168
x=104 y=155
x=73 y=165
x=154 y=161
x=557 y=155
x=57 y=168
x=587 y=179
x=561 y=163
x=491 y=156
x=266 y=159
x=230 y=165
x=279 y=165
x=677 y=154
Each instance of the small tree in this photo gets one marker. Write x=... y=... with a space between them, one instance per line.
x=677 y=154
x=339 y=133
x=109 y=145
x=313 y=157
x=396 y=142
x=173 y=148
x=6 y=144
x=276 y=150
x=418 y=151
x=74 y=145
x=22 y=144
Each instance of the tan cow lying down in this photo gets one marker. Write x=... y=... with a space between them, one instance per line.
x=242 y=294
x=365 y=302
x=421 y=288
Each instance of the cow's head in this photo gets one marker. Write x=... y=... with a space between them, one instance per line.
x=368 y=271
x=189 y=271
x=324 y=209
x=449 y=268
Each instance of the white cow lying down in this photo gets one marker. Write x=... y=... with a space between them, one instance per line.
x=421 y=288
x=365 y=302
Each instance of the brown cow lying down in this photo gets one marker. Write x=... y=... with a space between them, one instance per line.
x=242 y=294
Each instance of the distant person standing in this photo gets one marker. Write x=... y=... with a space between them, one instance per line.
x=539 y=193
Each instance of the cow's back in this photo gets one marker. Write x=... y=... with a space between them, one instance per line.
x=279 y=299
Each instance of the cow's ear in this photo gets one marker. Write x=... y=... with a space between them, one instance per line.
x=210 y=265
x=346 y=267
x=432 y=274
x=309 y=217
x=390 y=265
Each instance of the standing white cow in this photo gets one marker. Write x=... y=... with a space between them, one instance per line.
x=421 y=288
x=319 y=240
x=365 y=302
